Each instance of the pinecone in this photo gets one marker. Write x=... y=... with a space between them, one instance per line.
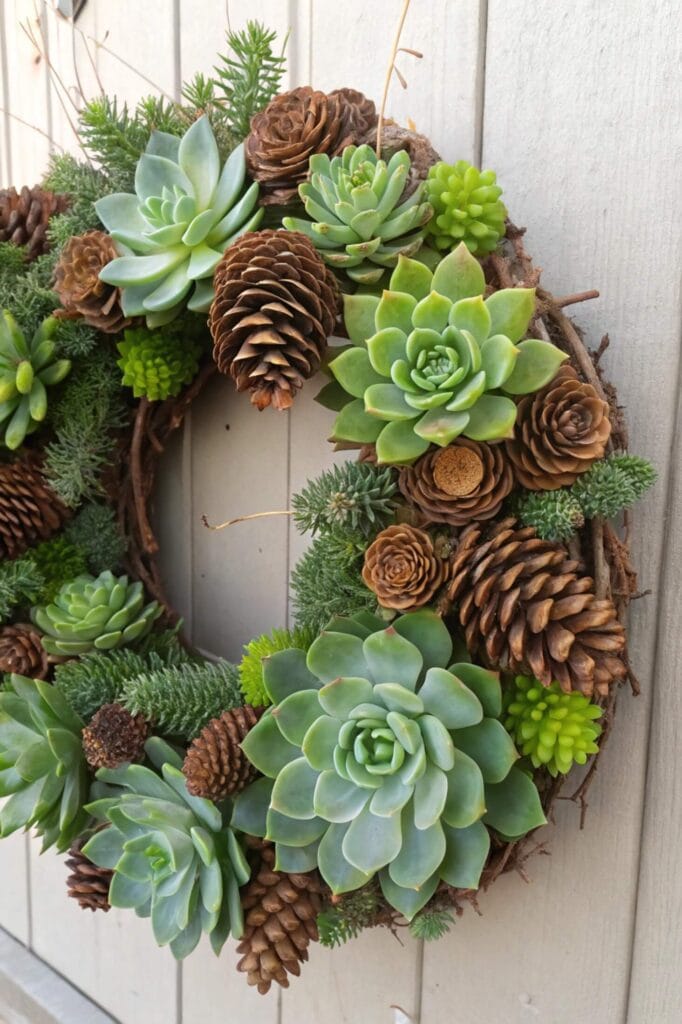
x=560 y=432
x=459 y=483
x=215 y=765
x=280 y=920
x=419 y=149
x=22 y=653
x=114 y=737
x=403 y=568
x=275 y=306
x=30 y=511
x=525 y=607
x=24 y=217
x=293 y=127
x=87 y=883
x=80 y=290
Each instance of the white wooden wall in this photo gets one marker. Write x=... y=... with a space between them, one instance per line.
x=576 y=105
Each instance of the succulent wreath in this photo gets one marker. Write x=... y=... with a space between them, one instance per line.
x=459 y=633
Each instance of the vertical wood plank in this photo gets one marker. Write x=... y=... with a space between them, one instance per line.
x=73 y=79
x=27 y=96
x=5 y=135
x=14 y=916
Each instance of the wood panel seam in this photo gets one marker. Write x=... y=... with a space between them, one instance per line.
x=479 y=88
x=5 y=95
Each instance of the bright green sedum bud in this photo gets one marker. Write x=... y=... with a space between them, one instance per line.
x=357 y=221
x=157 y=365
x=91 y=614
x=431 y=359
x=186 y=211
x=467 y=207
x=378 y=759
x=174 y=857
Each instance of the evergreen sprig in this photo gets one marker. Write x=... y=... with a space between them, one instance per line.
x=20 y=584
x=250 y=75
x=96 y=532
x=327 y=581
x=251 y=665
x=346 y=918
x=555 y=515
x=431 y=924
x=58 y=561
x=353 y=498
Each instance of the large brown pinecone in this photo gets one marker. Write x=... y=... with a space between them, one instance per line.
x=293 y=127
x=87 y=883
x=215 y=765
x=525 y=606
x=275 y=305
x=462 y=482
x=30 y=511
x=80 y=290
x=22 y=653
x=24 y=217
x=114 y=737
x=280 y=920
x=560 y=432
x=403 y=568
x=419 y=149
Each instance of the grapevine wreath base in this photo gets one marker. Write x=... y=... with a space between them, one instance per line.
x=459 y=637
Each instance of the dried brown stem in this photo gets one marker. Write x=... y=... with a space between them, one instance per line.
x=572 y=300
x=391 y=69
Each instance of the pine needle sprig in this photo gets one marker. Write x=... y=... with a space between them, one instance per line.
x=251 y=665
x=327 y=581
x=431 y=924
x=21 y=583
x=345 y=919
x=353 y=498
x=96 y=532
x=96 y=679
x=250 y=75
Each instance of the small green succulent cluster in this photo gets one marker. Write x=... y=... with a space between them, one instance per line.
x=42 y=765
x=379 y=760
x=467 y=207
x=255 y=654
x=554 y=729
x=357 y=220
x=157 y=365
x=95 y=614
x=174 y=857
x=432 y=360
x=27 y=370
x=354 y=498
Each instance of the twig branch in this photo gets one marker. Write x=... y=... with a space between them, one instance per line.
x=391 y=69
x=244 y=519
x=33 y=127
x=571 y=300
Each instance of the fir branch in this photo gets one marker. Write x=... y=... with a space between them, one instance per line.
x=250 y=76
x=96 y=532
x=431 y=924
x=346 y=918
x=251 y=665
x=327 y=581
x=182 y=700
x=353 y=498
x=20 y=585
x=58 y=561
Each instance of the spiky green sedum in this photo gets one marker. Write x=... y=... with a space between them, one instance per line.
x=466 y=207
x=432 y=360
x=613 y=484
x=379 y=760
x=357 y=220
x=327 y=581
x=42 y=765
x=554 y=515
x=172 y=232
x=554 y=729
x=356 y=498
x=255 y=653
x=182 y=699
x=174 y=856
x=155 y=365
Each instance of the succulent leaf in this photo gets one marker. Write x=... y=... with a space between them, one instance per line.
x=467 y=207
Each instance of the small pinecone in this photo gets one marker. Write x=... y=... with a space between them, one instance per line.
x=215 y=765
x=30 y=511
x=560 y=432
x=114 y=737
x=525 y=607
x=87 y=883
x=24 y=217
x=459 y=483
x=275 y=306
x=419 y=149
x=22 y=653
x=280 y=914
x=80 y=290
x=403 y=568
x=293 y=127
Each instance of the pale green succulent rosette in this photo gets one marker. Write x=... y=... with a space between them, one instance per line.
x=432 y=360
x=172 y=232
x=378 y=759
x=174 y=856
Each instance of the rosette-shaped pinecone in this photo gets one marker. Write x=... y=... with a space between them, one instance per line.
x=275 y=306
x=78 y=284
x=22 y=653
x=431 y=360
x=419 y=149
x=215 y=765
x=357 y=218
x=91 y=614
x=526 y=607
x=114 y=737
x=87 y=883
x=293 y=127
x=467 y=207
x=30 y=511
x=403 y=568
x=459 y=483
x=25 y=215
x=378 y=759
x=156 y=364
x=560 y=432
x=280 y=920
x=554 y=729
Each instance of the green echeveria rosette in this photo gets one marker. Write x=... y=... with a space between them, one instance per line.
x=467 y=207
x=378 y=759
x=155 y=365
x=432 y=360
x=174 y=857
x=91 y=614
x=172 y=232
x=357 y=221
x=42 y=765
x=554 y=729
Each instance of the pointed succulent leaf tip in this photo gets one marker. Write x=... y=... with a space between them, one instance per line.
x=536 y=366
x=510 y=311
x=359 y=313
x=459 y=275
x=27 y=370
